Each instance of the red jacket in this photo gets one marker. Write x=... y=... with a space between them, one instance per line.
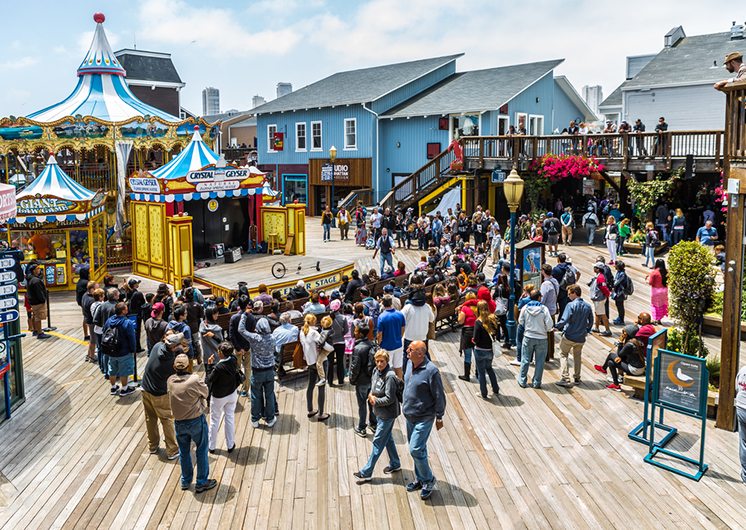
x=601 y=284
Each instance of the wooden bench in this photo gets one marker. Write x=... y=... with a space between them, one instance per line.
x=286 y=357
x=225 y=320
x=445 y=317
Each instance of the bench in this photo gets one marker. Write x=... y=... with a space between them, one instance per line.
x=286 y=357
x=225 y=320
x=445 y=317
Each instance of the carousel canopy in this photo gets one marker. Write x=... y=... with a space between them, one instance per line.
x=195 y=155
x=53 y=196
x=102 y=91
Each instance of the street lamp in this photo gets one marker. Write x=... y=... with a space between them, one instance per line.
x=513 y=189
x=332 y=158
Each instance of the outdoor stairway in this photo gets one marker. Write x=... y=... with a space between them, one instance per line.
x=420 y=183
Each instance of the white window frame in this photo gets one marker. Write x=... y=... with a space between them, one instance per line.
x=352 y=147
x=305 y=137
x=505 y=118
x=538 y=118
x=270 y=137
x=518 y=120
x=321 y=136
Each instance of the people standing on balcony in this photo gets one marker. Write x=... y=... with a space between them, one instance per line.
x=590 y=222
x=734 y=64
x=326 y=223
x=638 y=129
x=660 y=140
x=624 y=130
x=678 y=226
x=568 y=224
x=609 y=142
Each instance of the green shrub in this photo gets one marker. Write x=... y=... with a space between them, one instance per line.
x=713 y=367
x=691 y=282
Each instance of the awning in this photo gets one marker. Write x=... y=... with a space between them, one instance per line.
x=179 y=197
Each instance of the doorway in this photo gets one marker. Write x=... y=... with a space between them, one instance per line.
x=294 y=187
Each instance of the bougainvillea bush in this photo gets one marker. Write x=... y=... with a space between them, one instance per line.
x=558 y=167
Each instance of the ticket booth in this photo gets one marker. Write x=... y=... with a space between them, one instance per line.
x=529 y=257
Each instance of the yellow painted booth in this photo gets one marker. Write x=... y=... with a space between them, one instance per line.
x=60 y=225
x=284 y=228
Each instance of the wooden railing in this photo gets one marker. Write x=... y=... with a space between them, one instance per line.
x=618 y=147
x=420 y=182
x=362 y=194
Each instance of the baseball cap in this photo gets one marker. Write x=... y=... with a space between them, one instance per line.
x=158 y=307
x=258 y=304
x=174 y=339
x=133 y=281
x=181 y=362
x=388 y=288
x=598 y=265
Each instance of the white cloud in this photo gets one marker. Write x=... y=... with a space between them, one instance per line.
x=19 y=63
x=219 y=32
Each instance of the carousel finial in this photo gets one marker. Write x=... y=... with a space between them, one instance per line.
x=99 y=18
x=196 y=127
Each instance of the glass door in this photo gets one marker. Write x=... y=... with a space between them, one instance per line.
x=294 y=187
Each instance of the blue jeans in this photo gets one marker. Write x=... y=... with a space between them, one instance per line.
x=188 y=431
x=262 y=394
x=591 y=231
x=387 y=258
x=417 y=435
x=484 y=370
x=741 y=415
x=519 y=342
x=382 y=439
x=364 y=408
x=536 y=348
x=649 y=255
x=327 y=231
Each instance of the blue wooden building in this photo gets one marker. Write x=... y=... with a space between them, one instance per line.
x=385 y=122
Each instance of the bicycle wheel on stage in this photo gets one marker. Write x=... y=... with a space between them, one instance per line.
x=278 y=270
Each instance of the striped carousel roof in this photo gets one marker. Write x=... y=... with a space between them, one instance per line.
x=53 y=182
x=195 y=155
x=102 y=91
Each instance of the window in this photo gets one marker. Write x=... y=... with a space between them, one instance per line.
x=300 y=136
x=271 y=130
x=316 y=142
x=535 y=125
x=350 y=133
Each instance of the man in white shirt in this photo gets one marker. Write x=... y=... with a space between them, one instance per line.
x=375 y=222
x=417 y=315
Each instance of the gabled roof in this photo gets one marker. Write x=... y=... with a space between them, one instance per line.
x=691 y=61
x=477 y=90
x=615 y=98
x=227 y=116
x=148 y=66
x=355 y=86
x=564 y=84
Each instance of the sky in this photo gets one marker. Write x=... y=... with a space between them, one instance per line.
x=245 y=48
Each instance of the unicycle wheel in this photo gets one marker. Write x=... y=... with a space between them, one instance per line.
x=278 y=270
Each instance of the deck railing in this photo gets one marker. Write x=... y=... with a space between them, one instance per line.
x=420 y=182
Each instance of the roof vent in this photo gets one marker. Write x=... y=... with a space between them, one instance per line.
x=673 y=37
x=736 y=31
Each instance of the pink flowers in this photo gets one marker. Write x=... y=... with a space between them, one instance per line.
x=721 y=196
x=558 y=167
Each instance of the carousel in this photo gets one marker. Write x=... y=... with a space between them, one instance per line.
x=59 y=224
x=100 y=133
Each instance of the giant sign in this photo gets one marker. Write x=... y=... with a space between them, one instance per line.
x=45 y=205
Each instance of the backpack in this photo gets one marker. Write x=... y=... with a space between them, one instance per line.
x=654 y=241
x=399 y=386
x=629 y=287
x=568 y=279
x=110 y=341
x=596 y=294
x=552 y=230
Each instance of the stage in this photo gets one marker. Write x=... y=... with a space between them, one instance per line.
x=255 y=269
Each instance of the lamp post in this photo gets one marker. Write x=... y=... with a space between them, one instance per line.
x=332 y=158
x=513 y=189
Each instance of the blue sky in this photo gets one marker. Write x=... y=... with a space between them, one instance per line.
x=245 y=47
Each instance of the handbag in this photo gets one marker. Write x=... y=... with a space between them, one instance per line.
x=501 y=306
x=497 y=350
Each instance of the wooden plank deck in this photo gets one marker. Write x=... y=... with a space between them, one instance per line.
x=75 y=457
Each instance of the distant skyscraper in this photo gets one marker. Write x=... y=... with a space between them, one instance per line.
x=593 y=96
x=283 y=89
x=257 y=100
x=210 y=101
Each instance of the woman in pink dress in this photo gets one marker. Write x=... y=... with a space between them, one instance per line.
x=658 y=280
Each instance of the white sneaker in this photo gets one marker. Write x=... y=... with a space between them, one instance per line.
x=255 y=424
x=515 y=362
x=272 y=422
x=321 y=382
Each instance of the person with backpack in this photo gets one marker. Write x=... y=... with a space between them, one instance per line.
x=485 y=333
x=418 y=315
x=262 y=345
x=155 y=326
x=240 y=345
x=566 y=275
x=621 y=289
x=101 y=314
x=337 y=356
x=590 y=222
x=552 y=227
x=385 y=245
x=599 y=293
x=384 y=397
x=362 y=364
x=135 y=301
x=537 y=323
x=210 y=332
x=119 y=344
x=195 y=315
x=154 y=391
x=223 y=378
x=568 y=224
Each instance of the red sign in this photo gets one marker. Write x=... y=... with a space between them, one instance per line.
x=278 y=141
x=7 y=202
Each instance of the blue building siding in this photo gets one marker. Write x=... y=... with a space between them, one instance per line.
x=564 y=110
x=526 y=102
x=412 y=89
x=332 y=128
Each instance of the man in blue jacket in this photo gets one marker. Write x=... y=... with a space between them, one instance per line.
x=575 y=324
x=119 y=335
x=423 y=403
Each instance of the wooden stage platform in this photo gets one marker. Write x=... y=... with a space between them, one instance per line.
x=256 y=269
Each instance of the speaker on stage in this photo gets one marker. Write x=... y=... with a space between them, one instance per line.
x=233 y=255
x=217 y=250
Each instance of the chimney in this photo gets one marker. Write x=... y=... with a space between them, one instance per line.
x=673 y=37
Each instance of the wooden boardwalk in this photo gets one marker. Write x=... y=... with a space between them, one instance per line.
x=75 y=457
